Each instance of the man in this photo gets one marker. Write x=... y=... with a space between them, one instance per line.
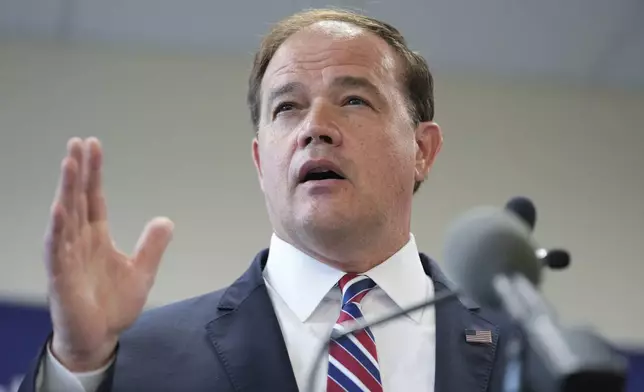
x=343 y=113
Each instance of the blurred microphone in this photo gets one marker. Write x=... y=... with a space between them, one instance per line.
x=487 y=242
x=556 y=259
x=524 y=208
x=490 y=256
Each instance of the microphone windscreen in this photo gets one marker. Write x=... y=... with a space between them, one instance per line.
x=524 y=208
x=484 y=243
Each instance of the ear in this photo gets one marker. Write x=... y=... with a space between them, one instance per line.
x=429 y=140
x=257 y=161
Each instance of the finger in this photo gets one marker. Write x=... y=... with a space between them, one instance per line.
x=152 y=245
x=82 y=210
x=66 y=197
x=83 y=177
x=59 y=230
x=54 y=239
x=96 y=208
x=60 y=187
x=75 y=151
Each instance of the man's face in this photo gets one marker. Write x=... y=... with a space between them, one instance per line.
x=336 y=151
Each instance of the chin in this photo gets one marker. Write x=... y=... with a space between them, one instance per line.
x=326 y=218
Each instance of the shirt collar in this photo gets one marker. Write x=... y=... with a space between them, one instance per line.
x=403 y=278
x=302 y=281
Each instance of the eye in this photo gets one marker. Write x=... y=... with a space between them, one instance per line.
x=282 y=107
x=352 y=101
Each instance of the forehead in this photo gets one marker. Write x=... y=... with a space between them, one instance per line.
x=326 y=50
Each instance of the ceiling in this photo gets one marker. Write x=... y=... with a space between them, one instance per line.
x=588 y=42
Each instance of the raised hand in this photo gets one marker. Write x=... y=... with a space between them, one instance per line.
x=95 y=290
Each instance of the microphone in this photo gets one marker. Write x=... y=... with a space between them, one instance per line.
x=524 y=208
x=484 y=243
x=490 y=256
x=556 y=259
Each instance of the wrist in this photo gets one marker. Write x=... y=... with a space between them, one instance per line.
x=82 y=361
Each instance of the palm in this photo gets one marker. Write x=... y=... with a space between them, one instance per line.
x=96 y=291
x=101 y=291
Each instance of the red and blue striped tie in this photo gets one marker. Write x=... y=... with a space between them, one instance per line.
x=353 y=360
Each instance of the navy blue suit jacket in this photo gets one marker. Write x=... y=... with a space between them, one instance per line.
x=230 y=340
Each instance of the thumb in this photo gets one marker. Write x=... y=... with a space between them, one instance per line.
x=152 y=244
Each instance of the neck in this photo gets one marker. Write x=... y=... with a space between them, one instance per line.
x=357 y=254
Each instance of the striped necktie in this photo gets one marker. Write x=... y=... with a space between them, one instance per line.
x=353 y=360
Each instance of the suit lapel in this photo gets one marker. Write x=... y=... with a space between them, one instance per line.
x=460 y=365
x=247 y=337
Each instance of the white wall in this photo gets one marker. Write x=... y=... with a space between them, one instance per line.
x=177 y=143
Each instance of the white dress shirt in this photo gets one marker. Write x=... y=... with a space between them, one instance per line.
x=307 y=302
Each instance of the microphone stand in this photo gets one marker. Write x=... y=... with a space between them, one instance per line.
x=359 y=324
x=514 y=379
x=547 y=357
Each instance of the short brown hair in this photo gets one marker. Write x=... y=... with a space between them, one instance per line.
x=416 y=78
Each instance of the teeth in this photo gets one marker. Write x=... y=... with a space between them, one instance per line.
x=318 y=170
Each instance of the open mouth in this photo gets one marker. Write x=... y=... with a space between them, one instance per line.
x=320 y=170
x=321 y=174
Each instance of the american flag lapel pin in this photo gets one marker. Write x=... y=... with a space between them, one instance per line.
x=482 y=336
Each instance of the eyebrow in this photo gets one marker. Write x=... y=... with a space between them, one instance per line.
x=342 y=81
x=284 y=90
x=355 y=81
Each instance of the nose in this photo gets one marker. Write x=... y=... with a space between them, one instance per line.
x=320 y=127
